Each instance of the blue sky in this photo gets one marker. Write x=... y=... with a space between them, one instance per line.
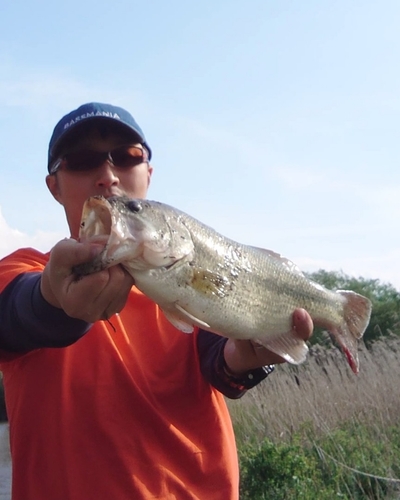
x=275 y=122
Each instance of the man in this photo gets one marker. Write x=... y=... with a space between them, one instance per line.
x=106 y=399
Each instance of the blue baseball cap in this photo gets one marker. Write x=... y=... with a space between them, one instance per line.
x=92 y=111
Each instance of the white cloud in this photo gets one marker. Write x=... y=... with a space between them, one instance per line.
x=12 y=239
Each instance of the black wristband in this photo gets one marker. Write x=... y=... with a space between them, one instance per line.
x=247 y=380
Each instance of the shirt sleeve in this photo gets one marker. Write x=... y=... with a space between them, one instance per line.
x=213 y=367
x=28 y=321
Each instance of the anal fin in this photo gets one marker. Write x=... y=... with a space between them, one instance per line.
x=288 y=346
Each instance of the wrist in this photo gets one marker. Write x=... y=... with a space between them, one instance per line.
x=245 y=380
x=237 y=360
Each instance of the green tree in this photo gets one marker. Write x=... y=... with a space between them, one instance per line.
x=385 y=316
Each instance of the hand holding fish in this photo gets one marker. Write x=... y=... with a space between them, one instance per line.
x=91 y=298
x=244 y=355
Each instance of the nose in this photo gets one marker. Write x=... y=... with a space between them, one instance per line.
x=106 y=175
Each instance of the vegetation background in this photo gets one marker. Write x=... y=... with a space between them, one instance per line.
x=317 y=431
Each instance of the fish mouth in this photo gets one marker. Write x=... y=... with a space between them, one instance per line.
x=101 y=224
x=96 y=221
x=130 y=235
x=129 y=240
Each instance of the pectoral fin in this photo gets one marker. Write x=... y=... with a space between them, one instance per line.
x=181 y=324
x=193 y=319
x=288 y=345
x=178 y=323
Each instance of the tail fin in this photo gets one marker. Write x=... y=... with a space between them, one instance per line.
x=357 y=313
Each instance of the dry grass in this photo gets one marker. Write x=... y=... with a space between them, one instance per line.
x=323 y=393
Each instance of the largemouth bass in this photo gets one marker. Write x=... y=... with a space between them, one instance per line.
x=200 y=278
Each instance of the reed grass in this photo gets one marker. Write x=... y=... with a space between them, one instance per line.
x=349 y=422
x=322 y=394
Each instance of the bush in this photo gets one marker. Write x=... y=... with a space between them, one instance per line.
x=385 y=317
x=280 y=472
x=351 y=463
x=362 y=461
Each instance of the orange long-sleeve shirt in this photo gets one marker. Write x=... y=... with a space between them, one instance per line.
x=123 y=413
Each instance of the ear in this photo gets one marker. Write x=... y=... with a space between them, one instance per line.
x=149 y=174
x=54 y=188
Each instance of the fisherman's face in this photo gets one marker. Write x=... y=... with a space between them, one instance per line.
x=72 y=188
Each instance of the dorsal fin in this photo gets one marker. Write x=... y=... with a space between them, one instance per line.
x=288 y=264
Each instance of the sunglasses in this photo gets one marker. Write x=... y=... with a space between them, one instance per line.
x=87 y=159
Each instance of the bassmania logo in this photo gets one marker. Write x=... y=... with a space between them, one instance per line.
x=79 y=118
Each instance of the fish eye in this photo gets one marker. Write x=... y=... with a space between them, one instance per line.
x=134 y=206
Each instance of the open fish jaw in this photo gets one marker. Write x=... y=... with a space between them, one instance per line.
x=135 y=242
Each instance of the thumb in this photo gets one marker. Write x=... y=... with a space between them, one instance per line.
x=58 y=272
x=69 y=253
x=302 y=324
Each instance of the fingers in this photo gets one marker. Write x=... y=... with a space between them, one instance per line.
x=112 y=293
x=93 y=297
x=302 y=324
x=99 y=295
x=68 y=253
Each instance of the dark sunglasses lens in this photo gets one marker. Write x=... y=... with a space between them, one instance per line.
x=124 y=157
x=127 y=157
x=85 y=160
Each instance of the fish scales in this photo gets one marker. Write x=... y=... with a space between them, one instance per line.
x=200 y=278
x=262 y=293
